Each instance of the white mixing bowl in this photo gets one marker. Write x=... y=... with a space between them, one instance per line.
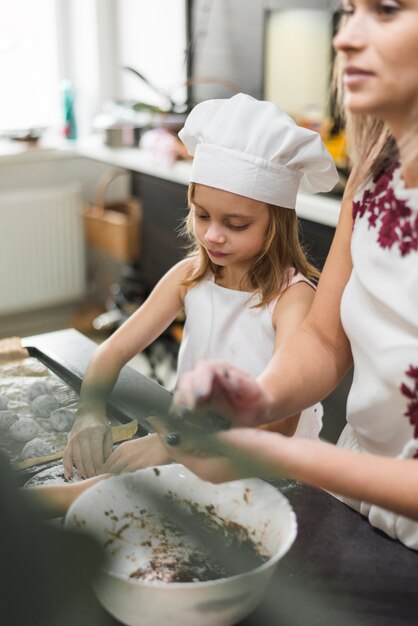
x=120 y=513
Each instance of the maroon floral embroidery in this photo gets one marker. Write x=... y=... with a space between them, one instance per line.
x=411 y=392
x=395 y=220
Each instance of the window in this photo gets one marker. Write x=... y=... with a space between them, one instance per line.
x=29 y=65
x=152 y=39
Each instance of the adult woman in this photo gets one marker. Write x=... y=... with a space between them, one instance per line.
x=366 y=306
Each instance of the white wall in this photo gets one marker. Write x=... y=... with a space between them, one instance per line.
x=298 y=60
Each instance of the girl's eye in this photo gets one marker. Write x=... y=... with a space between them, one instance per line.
x=201 y=216
x=234 y=227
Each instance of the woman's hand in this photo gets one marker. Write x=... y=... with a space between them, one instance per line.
x=89 y=445
x=136 y=454
x=228 y=455
x=225 y=389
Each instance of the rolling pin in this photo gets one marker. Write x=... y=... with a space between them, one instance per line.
x=121 y=432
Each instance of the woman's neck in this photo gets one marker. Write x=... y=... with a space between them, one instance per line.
x=405 y=135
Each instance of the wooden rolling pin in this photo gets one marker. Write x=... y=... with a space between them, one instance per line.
x=122 y=432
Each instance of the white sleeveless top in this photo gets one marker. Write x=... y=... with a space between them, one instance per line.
x=223 y=324
x=379 y=312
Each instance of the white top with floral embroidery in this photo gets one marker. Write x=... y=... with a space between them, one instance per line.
x=379 y=312
x=223 y=324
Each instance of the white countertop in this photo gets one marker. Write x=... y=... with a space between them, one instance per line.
x=321 y=208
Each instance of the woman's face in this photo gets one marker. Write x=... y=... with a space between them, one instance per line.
x=378 y=45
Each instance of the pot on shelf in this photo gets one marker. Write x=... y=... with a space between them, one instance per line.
x=119 y=132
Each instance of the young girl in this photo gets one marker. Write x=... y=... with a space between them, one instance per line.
x=245 y=288
x=365 y=310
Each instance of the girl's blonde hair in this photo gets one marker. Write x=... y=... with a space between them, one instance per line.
x=268 y=274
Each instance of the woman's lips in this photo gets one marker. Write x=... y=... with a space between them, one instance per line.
x=355 y=76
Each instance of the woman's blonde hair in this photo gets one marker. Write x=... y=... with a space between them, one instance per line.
x=371 y=146
x=268 y=274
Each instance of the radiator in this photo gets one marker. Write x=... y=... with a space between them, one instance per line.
x=42 y=251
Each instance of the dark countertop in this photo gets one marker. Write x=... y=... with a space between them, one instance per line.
x=339 y=572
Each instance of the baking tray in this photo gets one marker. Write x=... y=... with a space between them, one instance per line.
x=66 y=353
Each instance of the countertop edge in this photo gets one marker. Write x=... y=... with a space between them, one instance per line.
x=322 y=208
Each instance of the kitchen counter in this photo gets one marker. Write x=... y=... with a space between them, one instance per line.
x=339 y=572
x=321 y=208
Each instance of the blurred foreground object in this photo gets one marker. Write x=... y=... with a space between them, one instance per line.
x=46 y=572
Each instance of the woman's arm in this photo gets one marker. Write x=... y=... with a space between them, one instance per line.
x=314 y=360
x=90 y=442
x=386 y=482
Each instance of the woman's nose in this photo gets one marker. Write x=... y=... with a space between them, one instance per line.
x=214 y=233
x=352 y=32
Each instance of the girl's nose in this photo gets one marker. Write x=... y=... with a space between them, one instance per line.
x=352 y=32
x=214 y=234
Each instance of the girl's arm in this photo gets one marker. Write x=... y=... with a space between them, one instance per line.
x=55 y=500
x=289 y=313
x=90 y=441
x=304 y=370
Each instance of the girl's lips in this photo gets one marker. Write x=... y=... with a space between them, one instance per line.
x=216 y=254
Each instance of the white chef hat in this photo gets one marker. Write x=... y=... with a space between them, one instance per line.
x=254 y=149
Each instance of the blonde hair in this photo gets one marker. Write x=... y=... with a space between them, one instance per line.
x=268 y=274
x=372 y=147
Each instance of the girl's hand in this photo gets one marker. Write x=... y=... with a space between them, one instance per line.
x=225 y=389
x=89 y=445
x=136 y=454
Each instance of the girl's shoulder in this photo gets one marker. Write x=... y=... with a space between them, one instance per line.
x=182 y=271
x=293 y=278
x=186 y=267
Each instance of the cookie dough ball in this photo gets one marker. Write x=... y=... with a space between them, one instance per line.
x=62 y=419
x=7 y=418
x=38 y=388
x=44 y=405
x=24 y=429
x=36 y=448
x=4 y=401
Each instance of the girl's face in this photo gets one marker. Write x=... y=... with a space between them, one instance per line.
x=230 y=227
x=378 y=43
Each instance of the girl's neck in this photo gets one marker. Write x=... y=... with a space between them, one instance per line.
x=233 y=278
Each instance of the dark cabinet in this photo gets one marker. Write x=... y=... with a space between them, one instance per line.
x=164 y=210
x=316 y=239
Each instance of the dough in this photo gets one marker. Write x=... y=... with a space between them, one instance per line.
x=38 y=388
x=7 y=418
x=44 y=405
x=24 y=429
x=36 y=448
x=62 y=419
x=4 y=401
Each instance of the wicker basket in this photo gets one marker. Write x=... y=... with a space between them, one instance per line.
x=114 y=228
